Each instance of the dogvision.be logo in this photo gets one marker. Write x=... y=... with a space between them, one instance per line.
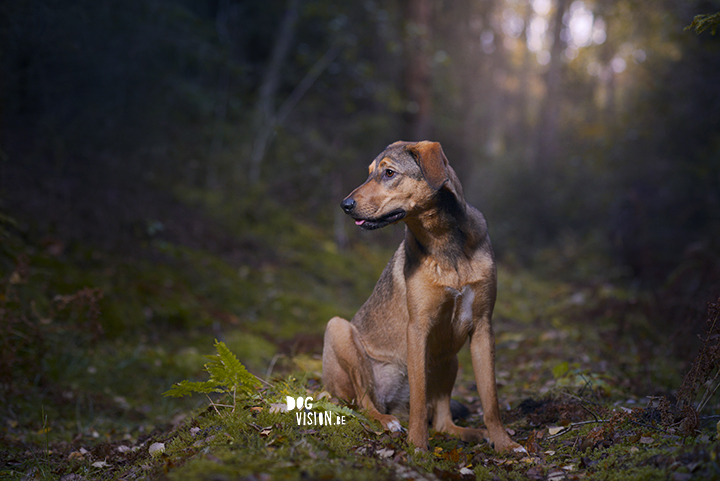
x=307 y=417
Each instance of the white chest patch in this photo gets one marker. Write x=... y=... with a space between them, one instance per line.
x=462 y=312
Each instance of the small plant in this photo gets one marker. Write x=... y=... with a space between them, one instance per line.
x=227 y=375
x=704 y=22
x=703 y=376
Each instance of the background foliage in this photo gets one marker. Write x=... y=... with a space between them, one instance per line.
x=170 y=173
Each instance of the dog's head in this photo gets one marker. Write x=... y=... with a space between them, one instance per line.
x=405 y=179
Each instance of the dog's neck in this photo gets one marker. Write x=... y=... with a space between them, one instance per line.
x=443 y=231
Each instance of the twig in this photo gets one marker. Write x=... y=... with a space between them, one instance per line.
x=583 y=403
x=569 y=427
x=212 y=403
x=592 y=413
x=272 y=365
x=708 y=394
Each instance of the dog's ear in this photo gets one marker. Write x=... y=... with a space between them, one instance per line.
x=436 y=168
x=432 y=161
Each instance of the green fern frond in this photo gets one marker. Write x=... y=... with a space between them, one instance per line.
x=226 y=369
x=325 y=405
x=227 y=375
x=187 y=388
x=705 y=21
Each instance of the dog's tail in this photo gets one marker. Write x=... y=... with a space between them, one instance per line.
x=458 y=410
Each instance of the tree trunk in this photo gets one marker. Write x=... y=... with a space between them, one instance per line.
x=418 y=30
x=547 y=141
x=265 y=110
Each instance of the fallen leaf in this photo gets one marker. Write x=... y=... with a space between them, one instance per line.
x=646 y=440
x=384 y=453
x=553 y=430
x=556 y=475
x=278 y=408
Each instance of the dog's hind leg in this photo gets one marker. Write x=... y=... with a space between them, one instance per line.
x=347 y=372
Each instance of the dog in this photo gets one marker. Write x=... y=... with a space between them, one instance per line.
x=437 y=291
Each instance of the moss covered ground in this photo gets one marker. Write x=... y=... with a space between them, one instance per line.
x=91 y=338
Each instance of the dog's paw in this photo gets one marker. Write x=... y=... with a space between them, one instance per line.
x=519 y=449
x=512 y=447
x=395 y=427
x=506 y=445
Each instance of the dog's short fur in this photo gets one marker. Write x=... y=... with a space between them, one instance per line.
x=437 y=291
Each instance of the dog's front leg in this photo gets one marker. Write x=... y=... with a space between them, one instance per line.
x=482 y=350
x=417 y=379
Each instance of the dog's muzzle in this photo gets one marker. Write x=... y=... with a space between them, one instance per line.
x=349 y=204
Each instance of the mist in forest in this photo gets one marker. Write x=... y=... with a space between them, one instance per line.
x=586 y=131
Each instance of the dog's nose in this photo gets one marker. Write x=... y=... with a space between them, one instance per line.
x=348 y=205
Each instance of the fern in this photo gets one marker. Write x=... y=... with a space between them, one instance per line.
x=706 y=21
x=227 y=375
x=325 y=405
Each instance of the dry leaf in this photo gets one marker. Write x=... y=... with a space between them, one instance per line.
x=553 y=430
x=75 y=455
x=384 y=453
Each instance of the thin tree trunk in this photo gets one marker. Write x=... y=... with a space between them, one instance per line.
x=212 y=180
x=522 y=128
x=547 y=141
x=417 y=74
x=265 y=111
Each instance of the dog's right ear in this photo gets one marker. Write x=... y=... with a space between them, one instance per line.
x=432 y=161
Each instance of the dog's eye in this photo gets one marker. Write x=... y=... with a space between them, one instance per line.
x=389 y=173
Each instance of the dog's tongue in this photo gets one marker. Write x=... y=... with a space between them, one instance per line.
x=359 y=222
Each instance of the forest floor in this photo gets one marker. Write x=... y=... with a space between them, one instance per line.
x=90 y=340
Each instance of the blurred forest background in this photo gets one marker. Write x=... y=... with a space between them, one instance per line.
x=134 y=134
x=588 y=127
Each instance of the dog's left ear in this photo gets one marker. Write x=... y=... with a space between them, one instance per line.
x=436 y=168
x=432 y=161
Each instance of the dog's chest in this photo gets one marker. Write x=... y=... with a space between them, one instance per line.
x=462 y=311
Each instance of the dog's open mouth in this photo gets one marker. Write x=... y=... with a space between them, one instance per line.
x=387 y=219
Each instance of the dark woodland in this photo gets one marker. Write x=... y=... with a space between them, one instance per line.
x=171 y=174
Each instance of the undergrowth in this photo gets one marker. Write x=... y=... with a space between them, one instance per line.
x=90 y=339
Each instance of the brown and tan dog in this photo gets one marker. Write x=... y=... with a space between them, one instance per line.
x=437 y=291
